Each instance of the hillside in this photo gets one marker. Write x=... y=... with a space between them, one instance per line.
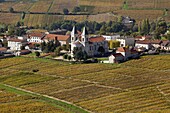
x=135 y=86
x=151 y=9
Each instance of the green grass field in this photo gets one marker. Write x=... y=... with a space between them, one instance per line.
x=135 y=86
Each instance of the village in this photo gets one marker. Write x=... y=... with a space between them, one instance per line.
x=79 y=45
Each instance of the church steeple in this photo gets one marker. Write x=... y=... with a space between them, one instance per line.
x=73 y=34
x=84 y=35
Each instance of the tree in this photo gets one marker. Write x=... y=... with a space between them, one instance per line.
x=22 y=47
x=57 y=51
x=18 y=24
x=152 y=26
x=139 y=27
x=113 y=44
x=101 y=50
x=22 y=15
x=79 y=54
x=103 y=30
x=65 y=11
x=65 y=56
x=69 y=57
x=120 y=19
x=43 y=44
x=19 y=32
x=11 y=10
x=37 y=54
x=11 y=30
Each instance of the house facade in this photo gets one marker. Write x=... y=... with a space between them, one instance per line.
x=15 y=44
x=125 y=52
x=89 y=45
x=35 y=37
x=143 y=44
x=116 y=58
x=126 y=41
x=112 y=37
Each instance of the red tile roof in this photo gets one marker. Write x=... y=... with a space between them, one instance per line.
x=58 y=37
x=97 y=39
x=36 y=35
x=63 y=37
x=149 y=42
x=50 y=36
x=138 y=37
x=3 y=49
x=144 y=42
x=156 y=41
x=15 y=40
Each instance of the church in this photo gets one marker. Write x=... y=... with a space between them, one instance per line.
x=91 y=45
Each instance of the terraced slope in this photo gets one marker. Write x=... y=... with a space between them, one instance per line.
x=151 y=9
x=135 y=86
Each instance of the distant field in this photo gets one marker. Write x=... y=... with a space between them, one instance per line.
x=9 y=18
x=139 y=15
x=151 y=9
x=41 y=19
x=135 y=86
x=148 y=4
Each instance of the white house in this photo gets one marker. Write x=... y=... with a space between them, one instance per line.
x=89 y=45
x=112 y=37
x=15 y=44
x=143 y=44
x=125 y=52
x=126 y=41
x=35 y=37
x=116 y=58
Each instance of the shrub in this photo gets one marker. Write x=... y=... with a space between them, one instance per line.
x=65 y=56
x=69 y=57
x=35 y=70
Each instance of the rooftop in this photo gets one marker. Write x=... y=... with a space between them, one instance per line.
x=97 y=39
x=123 y=49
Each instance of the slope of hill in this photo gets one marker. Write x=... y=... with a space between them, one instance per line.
x=136 y=86
x=136 y=9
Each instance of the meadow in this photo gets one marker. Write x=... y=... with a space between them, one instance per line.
x=141 y=85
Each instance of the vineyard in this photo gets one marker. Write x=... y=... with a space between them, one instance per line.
x=148 y=4
x=151 y=9
x=136 y=86
x=150 y=14
x=19 y=102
